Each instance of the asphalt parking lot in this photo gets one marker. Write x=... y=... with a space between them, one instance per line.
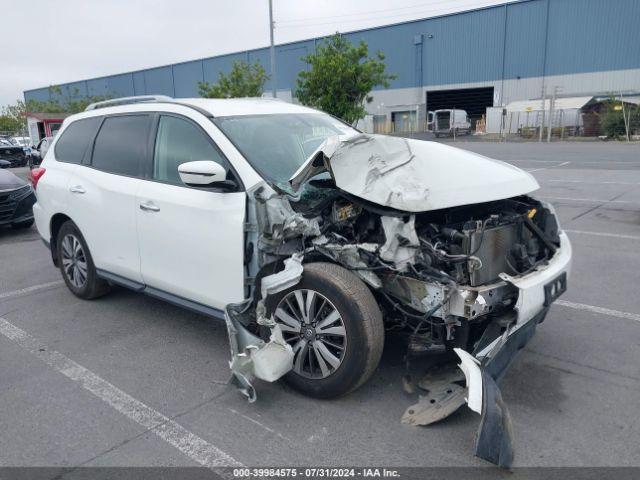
x=127 y=380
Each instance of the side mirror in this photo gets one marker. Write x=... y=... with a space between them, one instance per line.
x=202 y=173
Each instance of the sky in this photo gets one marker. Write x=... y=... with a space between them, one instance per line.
x=48 y=43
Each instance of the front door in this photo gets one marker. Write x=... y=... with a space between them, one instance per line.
x=191 y=240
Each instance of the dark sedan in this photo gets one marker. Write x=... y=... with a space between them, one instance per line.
x=15 y=154
x=16 y=201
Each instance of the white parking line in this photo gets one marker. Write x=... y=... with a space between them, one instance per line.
x=598 y=163
x=34 y=288
x=594 y=200
x=190 y=444
x=550 y=166
x=601 y=310
x=602 y=234
x=592 y=181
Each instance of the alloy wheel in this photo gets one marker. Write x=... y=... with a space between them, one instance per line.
x=74 y=261
x=314 y=328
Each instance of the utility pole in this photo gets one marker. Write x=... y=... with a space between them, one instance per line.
x=543 y=111
x=552 y=105
x=624 y=117
x=272 y=51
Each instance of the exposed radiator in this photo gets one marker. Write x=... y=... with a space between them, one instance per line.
x=493 y=250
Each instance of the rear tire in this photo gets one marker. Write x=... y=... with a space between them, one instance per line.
x=76 y=264
x=342 y=354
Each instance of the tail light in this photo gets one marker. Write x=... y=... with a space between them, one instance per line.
x=35 y=175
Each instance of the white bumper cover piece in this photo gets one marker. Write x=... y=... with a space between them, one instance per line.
x=537 y=290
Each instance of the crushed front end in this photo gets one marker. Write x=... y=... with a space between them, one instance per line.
x=475 y=279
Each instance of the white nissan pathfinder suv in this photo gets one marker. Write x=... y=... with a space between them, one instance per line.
x=311 y=239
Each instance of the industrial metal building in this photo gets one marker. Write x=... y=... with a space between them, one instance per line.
x=470 y=60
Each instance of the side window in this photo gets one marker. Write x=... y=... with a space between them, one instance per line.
x=121 y=144
x=75 y=139
x=179 y=141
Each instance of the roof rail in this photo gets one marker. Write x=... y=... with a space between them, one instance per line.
x=128 y=100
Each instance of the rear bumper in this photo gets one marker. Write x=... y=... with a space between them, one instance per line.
x=484 y=369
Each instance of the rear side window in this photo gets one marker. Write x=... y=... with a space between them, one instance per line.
x=121 y=144
x=75 y=139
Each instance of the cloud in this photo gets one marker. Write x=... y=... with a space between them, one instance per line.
x=56 y=42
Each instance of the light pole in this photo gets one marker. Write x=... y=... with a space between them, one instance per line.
x=272 y=51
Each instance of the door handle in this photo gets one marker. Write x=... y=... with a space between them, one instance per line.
x=77 y=189
x=149 y=207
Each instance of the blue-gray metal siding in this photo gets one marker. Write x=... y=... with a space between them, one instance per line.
x=530 y=38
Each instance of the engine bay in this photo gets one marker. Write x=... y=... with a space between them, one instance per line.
x=435 y=274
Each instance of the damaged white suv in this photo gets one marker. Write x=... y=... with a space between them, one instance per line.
x=311 y=238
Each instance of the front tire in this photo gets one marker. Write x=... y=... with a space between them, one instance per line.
x=334 y=325
x=76 y=264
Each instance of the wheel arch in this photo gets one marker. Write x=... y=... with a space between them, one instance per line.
x=55 y=224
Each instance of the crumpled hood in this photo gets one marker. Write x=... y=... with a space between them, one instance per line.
x=413 y=175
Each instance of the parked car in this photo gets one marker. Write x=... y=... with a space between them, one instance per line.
x=451 y=122
x=24 y=142
x=12 y=153
x=39 y=151
x=310 y=239
x=5 y=164
x=16 y=201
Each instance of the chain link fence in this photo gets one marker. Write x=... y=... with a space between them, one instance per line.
x=553 y=117
x=560 y=118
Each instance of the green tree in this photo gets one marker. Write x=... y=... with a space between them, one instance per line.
x=12 y=119
x=61 y=101
x=613 y=121
x=244 y=80
x=340 y=78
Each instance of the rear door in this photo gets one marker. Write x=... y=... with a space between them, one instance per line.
x=68 y=153
x=191 y=239
x=102 y=193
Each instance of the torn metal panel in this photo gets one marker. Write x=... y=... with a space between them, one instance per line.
x=278 y=221
x=473 y=302
x=463 y=301
x=286 y=278
x=316 y=163
x=348 y=255
x=418 y=294
x=401 y=241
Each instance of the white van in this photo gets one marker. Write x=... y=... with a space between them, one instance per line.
x=448 y=122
